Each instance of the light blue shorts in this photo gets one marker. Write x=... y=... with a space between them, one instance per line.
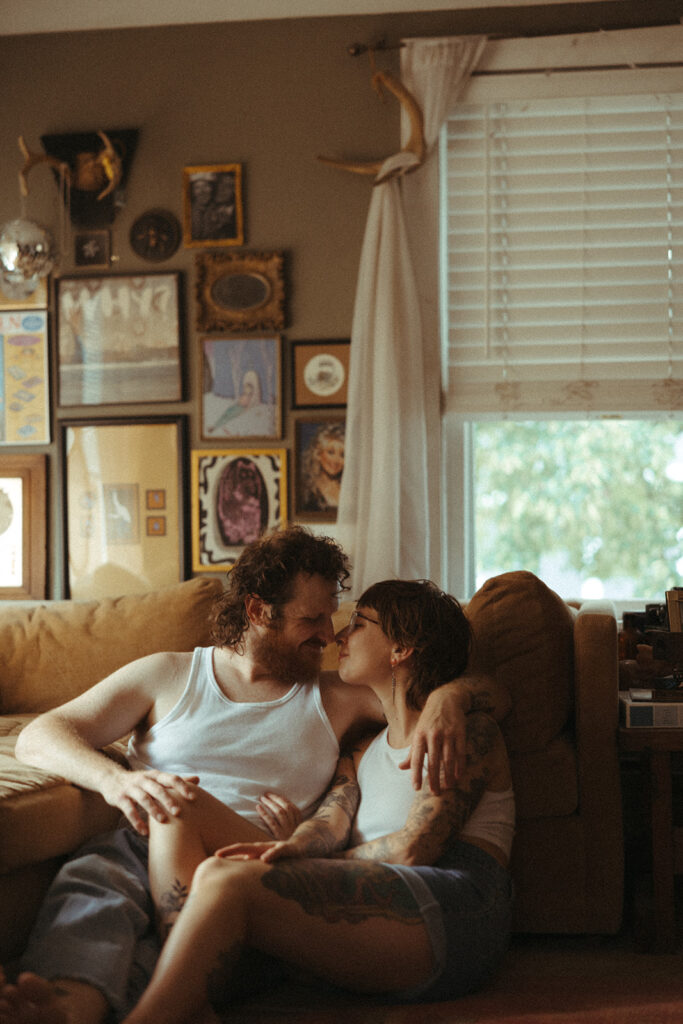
x=467 y=910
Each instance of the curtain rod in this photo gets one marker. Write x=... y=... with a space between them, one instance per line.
x=356 y=49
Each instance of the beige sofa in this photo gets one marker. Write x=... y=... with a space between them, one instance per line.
x=560 y=668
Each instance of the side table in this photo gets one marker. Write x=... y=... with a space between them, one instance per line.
x=656 y=745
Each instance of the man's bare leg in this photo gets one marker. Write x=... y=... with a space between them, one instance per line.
x=33 y=1000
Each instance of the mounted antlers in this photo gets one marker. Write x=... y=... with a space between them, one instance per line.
x=415 y=145
x=31 y=159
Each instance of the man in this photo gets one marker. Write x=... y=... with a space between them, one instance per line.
x=263 y=731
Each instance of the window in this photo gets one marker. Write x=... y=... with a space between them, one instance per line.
x=563 y=289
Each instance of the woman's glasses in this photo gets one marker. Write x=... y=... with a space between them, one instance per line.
x=354 y=618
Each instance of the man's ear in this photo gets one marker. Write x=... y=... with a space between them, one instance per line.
x=258 y=611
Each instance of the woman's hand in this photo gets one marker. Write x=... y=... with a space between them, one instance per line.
x=265 y=851
x=278 y=814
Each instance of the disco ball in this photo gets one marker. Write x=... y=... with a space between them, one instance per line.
x=27 y=251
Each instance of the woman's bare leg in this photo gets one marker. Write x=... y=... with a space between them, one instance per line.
x=178 y=846
x=354 y=923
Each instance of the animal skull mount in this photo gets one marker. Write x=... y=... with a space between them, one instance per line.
x=411 y=156
x=98 y=164
x=98 y=172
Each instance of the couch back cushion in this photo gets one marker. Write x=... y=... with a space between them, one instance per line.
x=53 y=652
x=523 y=637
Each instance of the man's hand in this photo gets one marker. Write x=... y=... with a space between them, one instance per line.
x=440 y=734
x=278 y=814
x=139 y=794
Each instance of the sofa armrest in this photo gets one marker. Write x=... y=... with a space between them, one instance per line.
x=596 y=666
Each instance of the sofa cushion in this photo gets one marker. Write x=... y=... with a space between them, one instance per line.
x=42 y=815
x=53 y=652
x=546 y=782
x=523 y=637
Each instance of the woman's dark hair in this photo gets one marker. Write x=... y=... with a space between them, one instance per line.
x=268 y=568
x=415 y=613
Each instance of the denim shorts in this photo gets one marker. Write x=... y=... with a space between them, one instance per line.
x=467 y=908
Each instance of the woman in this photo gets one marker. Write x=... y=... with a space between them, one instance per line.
x=384 y=889
x=322 y=469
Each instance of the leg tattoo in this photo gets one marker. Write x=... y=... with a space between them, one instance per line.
x=170 y=905
x=352 y=893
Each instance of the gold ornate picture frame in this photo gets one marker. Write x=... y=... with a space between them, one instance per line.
x=240 y=291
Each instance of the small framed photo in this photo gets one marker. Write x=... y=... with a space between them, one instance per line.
x=124 y=519
x=320 y=373
x=241 y=394
x=23 y=527
x=24 y=377
x=237 y=495
x=92 y=249
x=318 y=466
x=119 y=339
x=212 y=204
x=240 y=291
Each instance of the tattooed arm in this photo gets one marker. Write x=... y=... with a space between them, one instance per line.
x=322 y=834
x=434 y=822
x=441 y=731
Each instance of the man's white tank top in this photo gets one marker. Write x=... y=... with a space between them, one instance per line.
x=387 y=795
x=242 y=750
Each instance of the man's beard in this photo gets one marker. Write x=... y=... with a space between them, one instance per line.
x=283 y=661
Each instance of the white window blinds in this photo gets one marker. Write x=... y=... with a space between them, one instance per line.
x=564 y=254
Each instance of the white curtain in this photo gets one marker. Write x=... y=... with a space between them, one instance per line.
x=389 y=506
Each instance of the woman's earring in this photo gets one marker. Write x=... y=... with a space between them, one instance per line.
x=393 y=682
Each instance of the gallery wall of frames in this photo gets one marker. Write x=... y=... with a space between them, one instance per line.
x=141 y=506
x=178 y=383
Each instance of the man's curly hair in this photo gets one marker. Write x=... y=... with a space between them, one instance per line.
x=268 y=568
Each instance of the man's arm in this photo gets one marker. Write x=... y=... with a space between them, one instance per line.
x=68 y=741
x=441 y=729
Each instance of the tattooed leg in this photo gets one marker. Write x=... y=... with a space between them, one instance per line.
x=352 y=923
x=177 y=847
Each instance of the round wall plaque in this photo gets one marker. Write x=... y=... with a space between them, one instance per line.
x=155 y=235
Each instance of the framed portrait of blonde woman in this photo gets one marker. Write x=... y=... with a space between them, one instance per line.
x=318 y=466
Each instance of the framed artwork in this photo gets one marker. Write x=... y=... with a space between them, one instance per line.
x=23 y=527
x=92 y=249
x=119 y=339
x=36 y=300
x=241 y=395
x=240 y=291
x=24 y=377
x=123 y=510
x=320 y=373
x=236 y=496
x=318 y=466
x=212 y=205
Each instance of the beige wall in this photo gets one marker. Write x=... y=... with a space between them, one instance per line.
x=269 y=95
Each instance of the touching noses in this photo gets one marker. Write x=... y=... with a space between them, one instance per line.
x=327 y=631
